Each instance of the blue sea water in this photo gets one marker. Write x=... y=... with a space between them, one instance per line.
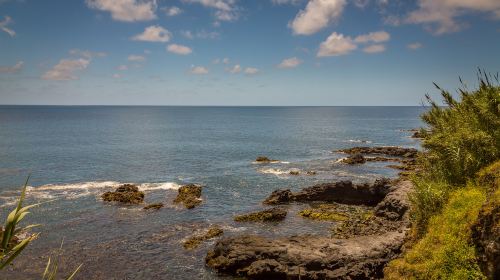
x=74 y=154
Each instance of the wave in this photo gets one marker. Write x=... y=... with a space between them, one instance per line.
x=77 y=190
x=277 y=171
x=358 y=141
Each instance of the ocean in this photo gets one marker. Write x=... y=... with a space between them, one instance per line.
x=75 y=153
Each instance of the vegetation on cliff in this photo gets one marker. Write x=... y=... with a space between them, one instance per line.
x=461 y=156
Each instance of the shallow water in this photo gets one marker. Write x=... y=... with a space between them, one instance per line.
x=76 y=153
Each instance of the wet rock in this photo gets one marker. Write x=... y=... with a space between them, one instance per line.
x=195 y=241
x=312 y=257
x=274 y=214
x=189 y=196
x=355 y=159
x=316 y=257
x=311 y=172
x=340 y=192
x=279 y=197
x=294 y=172
x=390 y=151
x=154 y=206
x=323 y=214
x=126 y=193
x=263 y=159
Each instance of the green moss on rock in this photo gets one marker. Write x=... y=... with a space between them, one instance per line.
x=271 y=215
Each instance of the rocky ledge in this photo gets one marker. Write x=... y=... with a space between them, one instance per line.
x=263 y=159
x=195 y=240
x=315 y=257
x=274 y=214
x=390 y=151
x=189 y=196
x=341 y=192
x=126 y=193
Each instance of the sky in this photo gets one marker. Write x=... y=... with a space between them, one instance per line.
x=242 y=52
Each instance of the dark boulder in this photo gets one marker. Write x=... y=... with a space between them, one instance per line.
x=279 y=197
x=126 y=193
x=189 y=196
x=263 y=159
x=355 y=159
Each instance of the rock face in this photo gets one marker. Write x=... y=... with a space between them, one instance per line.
x=355 y=159
x=274 y=214
x=154 y=206
x=390 y=151
x=196 y=240
x=486 y=236
x=315 y=257
x=340 y=192
x=189 y=196
x=126 y=193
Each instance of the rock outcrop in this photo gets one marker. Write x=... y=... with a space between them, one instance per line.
x=189 y=196
x=390 y=151
x=340 y=192
x=126 y=193
x=355 y=159
x=316 y=257
x=274 y=214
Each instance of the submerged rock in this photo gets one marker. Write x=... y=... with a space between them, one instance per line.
x=340 y=192
x=336 y=212
x=189 y=196
x=390 y=151
x=154 y=206
x=196 y=240
x=274 y=214
x=263 y=159
x=126 y=193
x=294 y=172
x=355 y=159
x=311 y=172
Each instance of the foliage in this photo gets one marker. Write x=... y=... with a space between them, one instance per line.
x=464 y=136
x=52 y=267
x=446 y=251
x=11 y=246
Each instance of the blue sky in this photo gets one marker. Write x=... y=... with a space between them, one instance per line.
x=235 y=52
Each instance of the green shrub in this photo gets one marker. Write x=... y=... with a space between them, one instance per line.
x=464 y=136
x=446 y=251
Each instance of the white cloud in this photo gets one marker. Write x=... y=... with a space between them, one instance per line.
x=378 y=48
x=3 y=26
x=179 y=49
x=126 y=10
x=154 y=33
x=361 y=3
x=136 y=58
x=283 y=2
x=12 y=69
x=225 y=60
x=122 y=68
x=291 y=62
x=202 y=34
x=336 y=45
x=317 y=15
x=236 y=69
x=226 y=10
x=86 y=54
x=66 y=69
x=440 y=17
x=251 y=71
x=172 y=11
x=414 y=46
x=117 y=76
x=375 y=37
x=198 y=70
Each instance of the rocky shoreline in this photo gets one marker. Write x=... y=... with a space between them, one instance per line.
x=360 y=245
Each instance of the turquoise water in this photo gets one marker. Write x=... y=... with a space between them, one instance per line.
x=76 y=153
